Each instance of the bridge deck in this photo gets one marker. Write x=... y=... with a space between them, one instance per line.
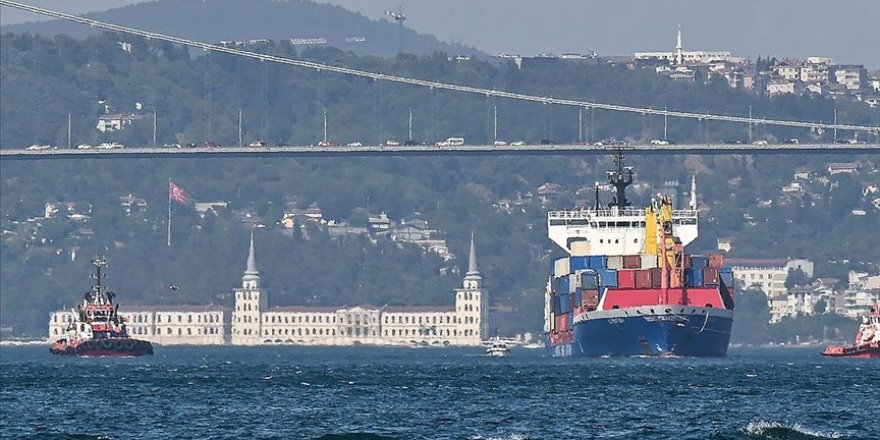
x=431 y=150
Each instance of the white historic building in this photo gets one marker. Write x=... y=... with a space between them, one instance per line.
x=254 y=323
x=464 y=324
x=172 y=325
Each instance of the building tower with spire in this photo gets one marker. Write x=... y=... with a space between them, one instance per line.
x=679 y=56
x=250 y=300
x=471 y=305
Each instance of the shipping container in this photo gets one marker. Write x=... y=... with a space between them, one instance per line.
x=562 y=323
x=710 y=276
x=727 y=279
x=675 y=279
x=564 y=305
x=561 y=268
x=597 y=262
x=578 y=297
x=626 y=279
x=696 y=277
x=643 y=279
x=588 y=279
x=578 y=263
x=557 y=309
x=607 y=278
x=590 y=298
x=572 y=302
x=716 y=260
x=573 y=282
x=699 y=261
x=563 y=285
x=648 y=261
x=554 y=284
x=632 y=261
x=614 y=262
x=656 y=277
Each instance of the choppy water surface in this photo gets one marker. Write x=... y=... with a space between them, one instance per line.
x=355 y=393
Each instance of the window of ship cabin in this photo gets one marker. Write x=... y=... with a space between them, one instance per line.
x=557 y=222
x=603 y=224
x=579 y=222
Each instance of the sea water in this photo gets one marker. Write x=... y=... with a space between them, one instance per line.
x=427 y=393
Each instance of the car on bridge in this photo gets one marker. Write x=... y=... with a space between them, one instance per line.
x=760 y=142
x=36 y=147
x=392 y=143
x=354 y=144
x=451 y=142
x=500 y=143
x=172 y=146
x=209 y=144
x=326 y=144
x=659 y=142
x=258 y=144
x=83 y=147
x=518 y=144
x=109 y=146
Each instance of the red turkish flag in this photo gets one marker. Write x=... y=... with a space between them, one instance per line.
x=176 y=193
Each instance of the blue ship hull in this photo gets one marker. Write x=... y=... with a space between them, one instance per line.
x=699 y=333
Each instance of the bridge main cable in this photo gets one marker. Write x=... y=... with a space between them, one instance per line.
x=423 y=83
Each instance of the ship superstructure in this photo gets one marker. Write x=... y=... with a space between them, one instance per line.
x=627 y=287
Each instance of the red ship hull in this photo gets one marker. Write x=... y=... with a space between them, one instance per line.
x=865 y=351
x=109 y=347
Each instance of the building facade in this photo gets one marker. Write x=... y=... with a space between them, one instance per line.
x=172 y=325
x=463 y=324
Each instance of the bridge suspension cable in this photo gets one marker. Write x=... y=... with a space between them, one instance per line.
x=423 y=83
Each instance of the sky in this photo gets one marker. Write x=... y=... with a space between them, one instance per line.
x=845 y=30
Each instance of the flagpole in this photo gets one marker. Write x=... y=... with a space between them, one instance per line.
x=169 y=212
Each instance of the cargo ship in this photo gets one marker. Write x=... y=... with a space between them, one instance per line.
x=97 y=329
x=628 y=288
x=867 y=343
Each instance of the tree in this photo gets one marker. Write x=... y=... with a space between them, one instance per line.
x=796 y=277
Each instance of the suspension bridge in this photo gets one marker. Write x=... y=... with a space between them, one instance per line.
x=436 y=85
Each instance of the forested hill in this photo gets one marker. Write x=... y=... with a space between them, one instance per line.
x=198 y=99
x=219 y=20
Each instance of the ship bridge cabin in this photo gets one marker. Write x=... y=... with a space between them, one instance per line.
x=612 y=231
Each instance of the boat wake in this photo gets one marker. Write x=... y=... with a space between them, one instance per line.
x=784 y=431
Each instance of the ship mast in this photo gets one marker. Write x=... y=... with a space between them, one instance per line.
x=620 y=178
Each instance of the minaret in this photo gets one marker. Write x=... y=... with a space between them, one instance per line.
x=678 y=55
x=471 y=306
x=693 y=192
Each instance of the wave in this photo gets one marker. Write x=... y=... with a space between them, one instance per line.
x=17 y=342
x=761 y=429
x=355 y=436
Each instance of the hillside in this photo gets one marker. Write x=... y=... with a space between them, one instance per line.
x=261 y=19
x=503 y=199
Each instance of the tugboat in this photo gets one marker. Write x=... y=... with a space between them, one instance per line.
x=867 y=343
x=97 y=329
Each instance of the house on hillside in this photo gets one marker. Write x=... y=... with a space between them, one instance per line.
x=132 y=205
